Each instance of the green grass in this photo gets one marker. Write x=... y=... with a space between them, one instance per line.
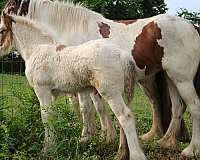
x=22 y=132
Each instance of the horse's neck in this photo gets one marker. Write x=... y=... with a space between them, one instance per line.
x=26 y=37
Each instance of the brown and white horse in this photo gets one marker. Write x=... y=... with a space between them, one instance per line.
x=148 y=40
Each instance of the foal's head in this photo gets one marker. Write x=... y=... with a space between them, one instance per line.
x=6 y=34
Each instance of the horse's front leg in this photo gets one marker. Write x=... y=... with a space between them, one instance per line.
x=45 y=98
x=88 y=116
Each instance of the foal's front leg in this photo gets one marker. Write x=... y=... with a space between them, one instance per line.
x=88 y=117
x=45 y=98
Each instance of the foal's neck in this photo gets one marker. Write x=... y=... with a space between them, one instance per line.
x=27 y=35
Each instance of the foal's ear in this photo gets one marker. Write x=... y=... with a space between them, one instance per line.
x=12 y=19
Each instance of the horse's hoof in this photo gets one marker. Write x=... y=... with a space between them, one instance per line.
x=191 y=151
x=168 y=142
x=151 y=135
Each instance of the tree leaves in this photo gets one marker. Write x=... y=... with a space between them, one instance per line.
x=192 y=16
x=126 y=9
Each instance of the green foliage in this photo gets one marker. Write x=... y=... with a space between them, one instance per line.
x=192 y=16
x=2 y=4
x=126 y=9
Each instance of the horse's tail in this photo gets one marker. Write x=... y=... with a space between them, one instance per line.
x=163 y=99
x=197 y=76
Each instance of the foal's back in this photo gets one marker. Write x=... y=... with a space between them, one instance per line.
x=72 y=68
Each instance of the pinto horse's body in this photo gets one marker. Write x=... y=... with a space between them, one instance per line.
x=96 y=64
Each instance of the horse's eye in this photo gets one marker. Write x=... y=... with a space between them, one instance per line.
x=3 y=31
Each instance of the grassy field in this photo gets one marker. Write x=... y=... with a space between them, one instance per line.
x=21 y=130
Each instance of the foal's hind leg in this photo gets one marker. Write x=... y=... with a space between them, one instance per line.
x=88 y=116
x=178 y=108
x=126 y=120
x=75 y=103
x=106 y=122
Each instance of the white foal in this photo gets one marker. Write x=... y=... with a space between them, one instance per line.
x=96 y=64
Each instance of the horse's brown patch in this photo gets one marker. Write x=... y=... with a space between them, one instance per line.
x=126 y=22
x=146 y=50
x=6 y=32
x=60 y=47
x=104 y=29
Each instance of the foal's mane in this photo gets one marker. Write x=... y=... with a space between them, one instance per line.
x=35 y=26
x=63 y=15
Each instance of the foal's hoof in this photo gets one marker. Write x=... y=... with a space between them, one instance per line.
x=110 y=137
x=167 y=142
x=122 y=154
x=85 y=139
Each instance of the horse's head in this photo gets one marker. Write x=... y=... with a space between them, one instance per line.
x=6 y=34
x=15 y=6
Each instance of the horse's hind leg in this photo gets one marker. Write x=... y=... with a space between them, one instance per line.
x=106 y=122
x=88 y=116
x=150 y=90
x=178 y=108
x=190 y=97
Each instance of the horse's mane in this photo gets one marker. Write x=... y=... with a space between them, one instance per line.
x=35 y=26
x=62 y=15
